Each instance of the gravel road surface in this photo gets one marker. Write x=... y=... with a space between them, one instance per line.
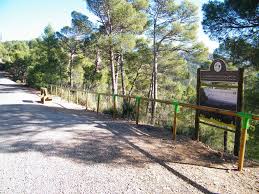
x=60 y=148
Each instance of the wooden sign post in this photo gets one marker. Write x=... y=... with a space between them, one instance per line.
x=222 y=89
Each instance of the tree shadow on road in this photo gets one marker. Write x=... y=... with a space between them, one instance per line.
x=13 y=88
x=86 y=138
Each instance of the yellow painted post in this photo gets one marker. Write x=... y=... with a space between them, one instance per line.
x=50 y=89
x=98 y=102
x=138 y=100
x=242 y=150
x=245 y=125
x=176 y=110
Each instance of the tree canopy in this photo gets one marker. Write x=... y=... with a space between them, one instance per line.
x=235 y=25
x=140 y=47
x=232 y=18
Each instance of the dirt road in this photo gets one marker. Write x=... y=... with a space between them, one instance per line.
x=54 y=148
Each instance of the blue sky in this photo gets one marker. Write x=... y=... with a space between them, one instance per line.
x=26 y=19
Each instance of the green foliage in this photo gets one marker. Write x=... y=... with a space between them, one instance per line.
x=19 y=68
x=3 y=51
x=48 y=60
x=36 y=77
x=239 y=52
x=134 y=42
x=231 y=19
x=91 y=77
x=16 y=56
x=129 y=110
x=252 y=142
x=138 y=67
x=252 y=91
x=140 y=4
x=124 y=110
x=173 y=31
x=235 y=25
x=70 y=38
x=119 y=14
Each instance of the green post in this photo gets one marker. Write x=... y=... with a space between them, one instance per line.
x=245 y=125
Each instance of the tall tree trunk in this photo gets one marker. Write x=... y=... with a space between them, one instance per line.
x=134 y=81
x=109 y=31
x=150 y=93
x=117 y=69
x=123 y=86
x=154 y=75
x=114 y=85
x=60 y=75
x=70 y=70
x=98 y=60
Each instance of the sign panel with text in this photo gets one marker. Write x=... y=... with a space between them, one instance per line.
x=219 y=98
